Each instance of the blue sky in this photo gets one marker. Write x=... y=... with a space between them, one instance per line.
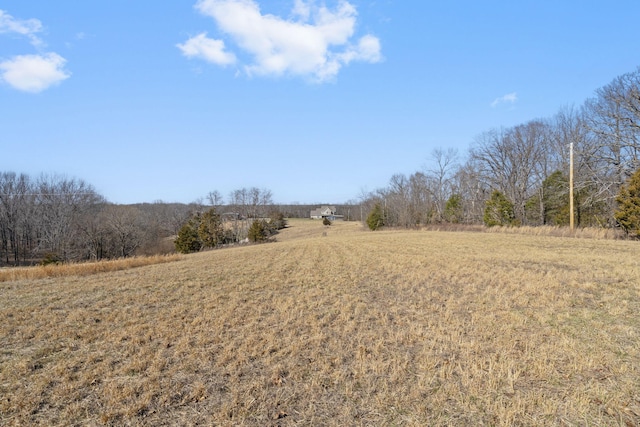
x=315 y=101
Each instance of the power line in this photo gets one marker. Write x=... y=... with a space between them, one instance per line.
x=48 y=194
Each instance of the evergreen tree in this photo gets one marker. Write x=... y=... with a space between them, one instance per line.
x=498 y=210
x=258 y=231
x=556 y=199
x=188 y=240
x=550 y=204
x=375 y=220
x=453 y=209
x=628 y=213
x=210 y=230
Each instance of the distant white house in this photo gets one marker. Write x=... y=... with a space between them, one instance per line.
x=328 y=212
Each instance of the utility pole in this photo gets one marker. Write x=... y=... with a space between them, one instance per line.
x=571 y=225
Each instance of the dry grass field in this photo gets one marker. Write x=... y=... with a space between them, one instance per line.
x=334 y=327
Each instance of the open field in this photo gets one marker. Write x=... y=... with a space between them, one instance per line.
x=334 y=327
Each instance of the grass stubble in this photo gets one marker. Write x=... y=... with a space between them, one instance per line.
x=334 y=326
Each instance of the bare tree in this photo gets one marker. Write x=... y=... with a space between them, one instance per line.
x=124 y=227
x=215 y=199
x=406 y=202
x=510 y=161
x=246 y=203
x=613 y=152
x=440 y=171
x=17 y=238
x=398 y=202
x=239 y=200
x=473 y=190
x=591 y=191
x=421 y=204
x=62 y=202
x=266 y=200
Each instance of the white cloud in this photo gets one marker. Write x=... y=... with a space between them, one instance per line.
x=208 y=49
x=315 y=43
x=301 y=9
x=27 y=27
x=368 y=49
x=30 y=73
x=509 y=98
x=33 y=73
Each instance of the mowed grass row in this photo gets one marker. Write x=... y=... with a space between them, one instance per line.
x=335 y=326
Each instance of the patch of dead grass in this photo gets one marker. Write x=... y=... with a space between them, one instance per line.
x=335 y=326
x=82 y=268
x=547 y=230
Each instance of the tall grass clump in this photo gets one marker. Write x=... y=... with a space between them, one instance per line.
x=56 y=269
x=559 y=231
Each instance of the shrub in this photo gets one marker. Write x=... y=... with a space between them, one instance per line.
x=628 y=213
x=498 y=210
x=210 y=230
x=188 y=240
x=202 y=231
x=277 y=221
x=375 y=219
x=258 y=231
x=51 y=258
x=453 y=209
x=550 y=204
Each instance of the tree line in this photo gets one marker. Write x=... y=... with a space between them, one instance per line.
x=54 y=218
x=520 y=175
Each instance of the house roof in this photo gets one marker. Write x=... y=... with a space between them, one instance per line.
x=324 y=210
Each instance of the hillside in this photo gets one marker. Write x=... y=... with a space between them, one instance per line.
x=334 y=326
